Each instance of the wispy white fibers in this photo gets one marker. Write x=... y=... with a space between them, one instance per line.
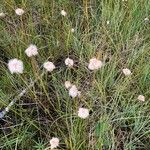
x=83 y=113
x=73 y=91
x=49 y=66
x=54 y=142
x=15 y=66
x=126 y=71
x=141 y=98
x=31 y=50
x=68 y=84
x=63 y=13
x=72 y=30
x=95 y=64
x=69 y=62
x=19 y=11
x=2 y=15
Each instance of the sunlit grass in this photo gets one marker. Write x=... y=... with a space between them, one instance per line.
x=117 y=120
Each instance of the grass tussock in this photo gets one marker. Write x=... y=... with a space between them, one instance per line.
x=115 y=32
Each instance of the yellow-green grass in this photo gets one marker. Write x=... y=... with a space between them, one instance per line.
x=117 y=120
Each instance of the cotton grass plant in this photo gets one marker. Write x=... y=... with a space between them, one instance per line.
x=83 y=83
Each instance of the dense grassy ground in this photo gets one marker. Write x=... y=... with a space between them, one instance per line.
x=117 y=121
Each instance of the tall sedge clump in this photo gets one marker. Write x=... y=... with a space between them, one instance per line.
x=16 y=66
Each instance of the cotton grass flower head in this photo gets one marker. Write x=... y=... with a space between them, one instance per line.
x=54 y=142
x=141 y=98
x=2 y=15
x=73 y=91
x=69 y=62
x=79 y=93
x=68 y=84
x=31 y=50
x=107 y=22
x=49 y=66
x=95 y=64
x=19 y=11
x=146 y=19
x=83 y=113
x=15 y=66
x=126 y=72
x=63 y=13
x=72 y=30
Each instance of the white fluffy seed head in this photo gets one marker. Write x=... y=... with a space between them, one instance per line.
x=108 y=22
x=15 y=66
x=141 y=98
x=126 y=72
x=72 y=30
x=146 y=19
x=68 y=84
x=54 y=142
x=49 y=66
x=2 y=15
x=69 y=62
x=63 y=13
x=83 y=113
x=73 y=91
x=7 y=109
x=79 y=94
x=31 y=50
x=19 y=11
x=95 y=64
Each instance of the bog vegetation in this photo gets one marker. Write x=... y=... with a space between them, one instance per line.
x=74 y=74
